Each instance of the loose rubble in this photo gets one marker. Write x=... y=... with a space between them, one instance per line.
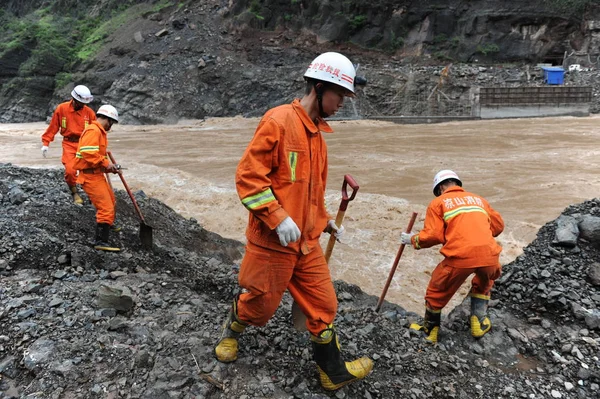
x=81 y=323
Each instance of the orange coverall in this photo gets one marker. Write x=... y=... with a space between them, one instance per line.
x=466 y=225
x=71 y=124
x=283 y=172
x=91 y=160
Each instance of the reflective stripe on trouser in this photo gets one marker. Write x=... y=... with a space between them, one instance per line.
x=101 y=196
x=266 y=274
x=446 y=280
x=68 y=157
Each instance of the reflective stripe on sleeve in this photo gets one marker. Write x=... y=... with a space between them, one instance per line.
x=89 y=148
x=259 y=199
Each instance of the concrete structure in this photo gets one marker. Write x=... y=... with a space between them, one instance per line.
x=520 y=102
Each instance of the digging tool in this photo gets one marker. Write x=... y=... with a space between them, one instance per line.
x=348 y=180
x=398 y=255
x=298 y=317
x=145 y=230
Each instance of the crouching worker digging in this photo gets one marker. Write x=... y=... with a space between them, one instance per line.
x=92 y=162
x=465 y=224
x=281 y=180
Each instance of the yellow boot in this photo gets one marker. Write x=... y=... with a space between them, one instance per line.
x=227 y=347
x=334 y=373
x=430 y=327
x=77 y=200
x=480 y=323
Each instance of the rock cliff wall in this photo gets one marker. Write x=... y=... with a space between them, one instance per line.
x=159 y=61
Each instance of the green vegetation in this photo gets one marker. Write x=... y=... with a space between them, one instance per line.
x=487 y=48
x=62 y=79
x=395 y=42
x=94 y=40
x=163 y=4
x=255 y=9
x=440 y=39
x=59 y=40
x=443 y=56
x=358 y=21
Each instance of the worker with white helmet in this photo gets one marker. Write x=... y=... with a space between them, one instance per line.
x=92 y=163
x=281 y=181
x=466 y=226
x=70 y=118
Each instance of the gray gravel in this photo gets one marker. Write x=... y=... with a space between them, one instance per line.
x=80 y=323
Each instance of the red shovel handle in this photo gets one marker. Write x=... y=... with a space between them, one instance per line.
x=348 y=180
x=135 y=205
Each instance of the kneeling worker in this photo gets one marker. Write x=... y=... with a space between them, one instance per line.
x=465 y=224
x=92 y=162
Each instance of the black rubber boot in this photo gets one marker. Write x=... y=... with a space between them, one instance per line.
x=227 y=348
x=430 y=327
x=334 y=373
x=480 y=322
x=102 y=233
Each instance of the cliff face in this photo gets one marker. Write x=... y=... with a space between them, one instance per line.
x=497 y=31
x=159 y=61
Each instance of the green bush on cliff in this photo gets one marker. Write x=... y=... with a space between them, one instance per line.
x=58 y=40
x=95 y=32
x=488 y=48
x=358 y=21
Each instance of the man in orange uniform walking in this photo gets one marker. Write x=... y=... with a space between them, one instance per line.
x=281 y=180
x=465 y=224
x=92 y=163
x=70 y=119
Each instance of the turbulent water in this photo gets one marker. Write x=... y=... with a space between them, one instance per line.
x=529 y=170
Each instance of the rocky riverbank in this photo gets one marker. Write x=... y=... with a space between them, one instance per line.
x=79 y=323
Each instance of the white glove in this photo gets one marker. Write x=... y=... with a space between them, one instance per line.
x=332 y=228
x=405 y=238
x=287 y=231
x=44 y=150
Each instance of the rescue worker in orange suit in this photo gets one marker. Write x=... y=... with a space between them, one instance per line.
x=466 y=226
x=281 y=180
x=92 y=163
x=70 y=119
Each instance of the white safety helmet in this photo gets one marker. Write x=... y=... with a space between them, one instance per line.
x=109 y=111
x=333 y=67
x=82 y=94
x=441 y=177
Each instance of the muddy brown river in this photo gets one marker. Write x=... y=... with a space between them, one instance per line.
x=529 y=170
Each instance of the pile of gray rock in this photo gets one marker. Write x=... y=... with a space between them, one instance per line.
x=80 y=323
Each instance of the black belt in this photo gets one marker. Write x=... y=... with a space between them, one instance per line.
x=72 y=139
x=93 y=171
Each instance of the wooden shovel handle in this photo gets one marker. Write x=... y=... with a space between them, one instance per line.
x=398 y=255
x=348 y=181
x=135 y=205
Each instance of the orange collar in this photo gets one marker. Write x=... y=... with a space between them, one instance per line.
x=321 y=126
x=95 y=122
x=453 y=188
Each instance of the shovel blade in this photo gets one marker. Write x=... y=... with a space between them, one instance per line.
x=146 y=236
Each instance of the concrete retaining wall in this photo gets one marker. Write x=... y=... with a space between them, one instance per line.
x=522 y=102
